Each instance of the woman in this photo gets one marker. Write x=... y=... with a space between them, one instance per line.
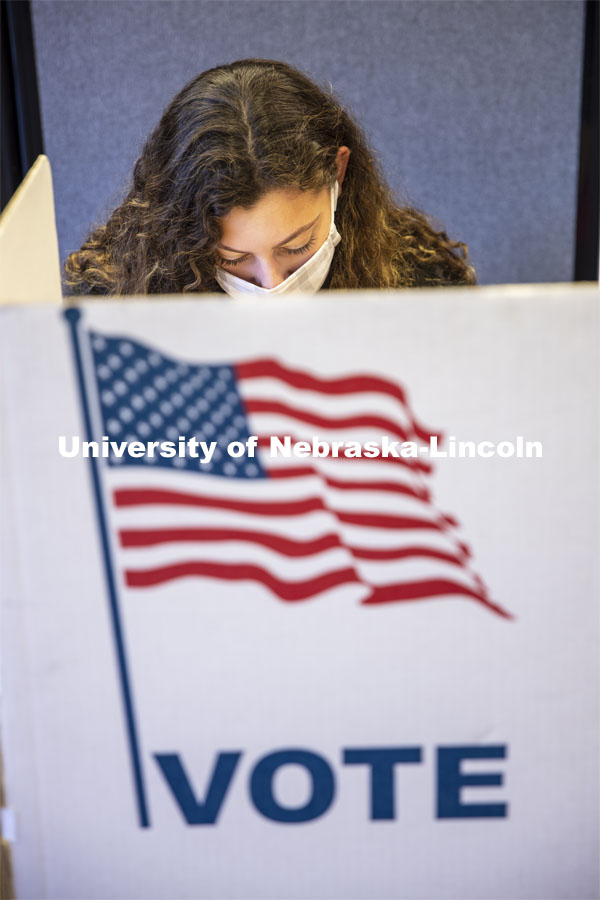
x=237 y=189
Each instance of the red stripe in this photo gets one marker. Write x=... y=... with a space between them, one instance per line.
x=452 y=521
x=264 y=440
x=420 y=590
x=405 y=553
x=353 y=384
x=285 y=590
x=303 y=590
x=383 y=425
x=285 y=546
x=304 y=471
x=147 y=496
x=380 y=520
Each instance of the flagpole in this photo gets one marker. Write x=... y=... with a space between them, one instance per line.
x=73 y=315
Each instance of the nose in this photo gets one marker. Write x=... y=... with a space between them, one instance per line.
x=269 y=274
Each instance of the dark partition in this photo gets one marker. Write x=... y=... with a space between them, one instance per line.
x=473 y=106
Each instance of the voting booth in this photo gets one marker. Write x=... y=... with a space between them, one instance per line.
x=300 y=596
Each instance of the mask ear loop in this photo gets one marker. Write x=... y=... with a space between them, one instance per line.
x=334 y=196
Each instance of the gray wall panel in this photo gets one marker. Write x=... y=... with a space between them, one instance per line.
x=472 y=105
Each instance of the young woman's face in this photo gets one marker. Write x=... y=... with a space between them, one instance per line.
x=269 y=241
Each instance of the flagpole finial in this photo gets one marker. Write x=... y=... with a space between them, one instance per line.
x=73 y=314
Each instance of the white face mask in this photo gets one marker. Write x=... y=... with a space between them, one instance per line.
x=308 y=278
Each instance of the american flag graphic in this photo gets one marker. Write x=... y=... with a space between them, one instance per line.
x=300 y=527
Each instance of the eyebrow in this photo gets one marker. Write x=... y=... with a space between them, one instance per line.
x=281 y=243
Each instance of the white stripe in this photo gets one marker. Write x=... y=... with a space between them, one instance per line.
x=390 y=538
x=377 y=574
x=382 y=573
x=236 y=553
x=274 y=491
x=243 y=489
x=307 y=527
x=348 y=470
x=280 y=424
x=335 y=405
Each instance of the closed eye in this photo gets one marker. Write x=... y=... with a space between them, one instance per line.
x=231 y=262
x=306 y=247
x=291 y=250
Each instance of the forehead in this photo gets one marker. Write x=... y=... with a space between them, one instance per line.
x=275 y=216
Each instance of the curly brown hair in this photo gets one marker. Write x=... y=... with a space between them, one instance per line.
x=231 y=135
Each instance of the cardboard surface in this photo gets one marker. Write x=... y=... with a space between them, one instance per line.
x=225 y=667
x=29 y=261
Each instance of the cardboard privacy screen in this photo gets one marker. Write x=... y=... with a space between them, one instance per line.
x=29 y=260
x=300 y=598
